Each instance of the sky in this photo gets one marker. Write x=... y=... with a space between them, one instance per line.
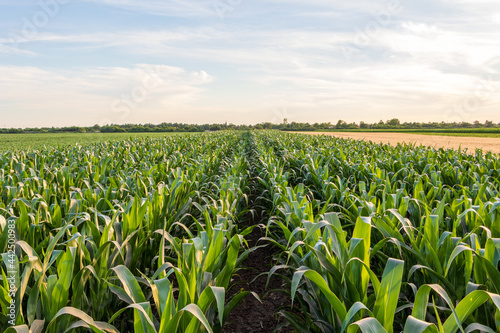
x=86 y=62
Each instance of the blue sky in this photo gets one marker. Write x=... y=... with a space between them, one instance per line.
x=66 y=62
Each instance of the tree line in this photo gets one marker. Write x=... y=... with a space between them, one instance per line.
x=392 y=124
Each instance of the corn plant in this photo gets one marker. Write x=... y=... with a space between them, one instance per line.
x=148 y=226
x=347 y=214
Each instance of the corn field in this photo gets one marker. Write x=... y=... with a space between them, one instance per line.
x=147 y=234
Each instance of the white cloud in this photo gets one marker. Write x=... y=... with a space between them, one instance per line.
x=420 y=29
x=91 y=95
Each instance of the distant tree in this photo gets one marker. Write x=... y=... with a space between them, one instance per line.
x=215 y=127
x=112 y=129
x=267 y=125
x=379 y=125
x=15 y=130
x=363 y=125
x=341 y=124
x=393 y=122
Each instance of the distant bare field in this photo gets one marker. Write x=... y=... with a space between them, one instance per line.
x=471 y=143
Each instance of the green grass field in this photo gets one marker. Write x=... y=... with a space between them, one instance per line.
x=17 y=142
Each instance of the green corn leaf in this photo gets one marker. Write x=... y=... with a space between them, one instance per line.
x=367 y=325
x=145 y=316
x=83 y=317
x=422 y=300
x=414 y=325
x=388 y=294
x=466 y=306
x=193 y=309
x=130 y=284
x=336 y=304
x=353 y=311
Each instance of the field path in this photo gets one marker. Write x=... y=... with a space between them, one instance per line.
x=436 y=141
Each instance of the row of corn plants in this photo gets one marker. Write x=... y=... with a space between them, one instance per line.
x=375 y=238
x=143 y=236
x=132 y=236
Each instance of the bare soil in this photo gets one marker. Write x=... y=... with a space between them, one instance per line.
x=436 y=141
x=251 y=316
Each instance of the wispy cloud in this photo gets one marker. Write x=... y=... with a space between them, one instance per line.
x=87 y=95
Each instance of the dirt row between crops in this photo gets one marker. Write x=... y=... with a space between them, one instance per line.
x=436 y=141
x=252 y=315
